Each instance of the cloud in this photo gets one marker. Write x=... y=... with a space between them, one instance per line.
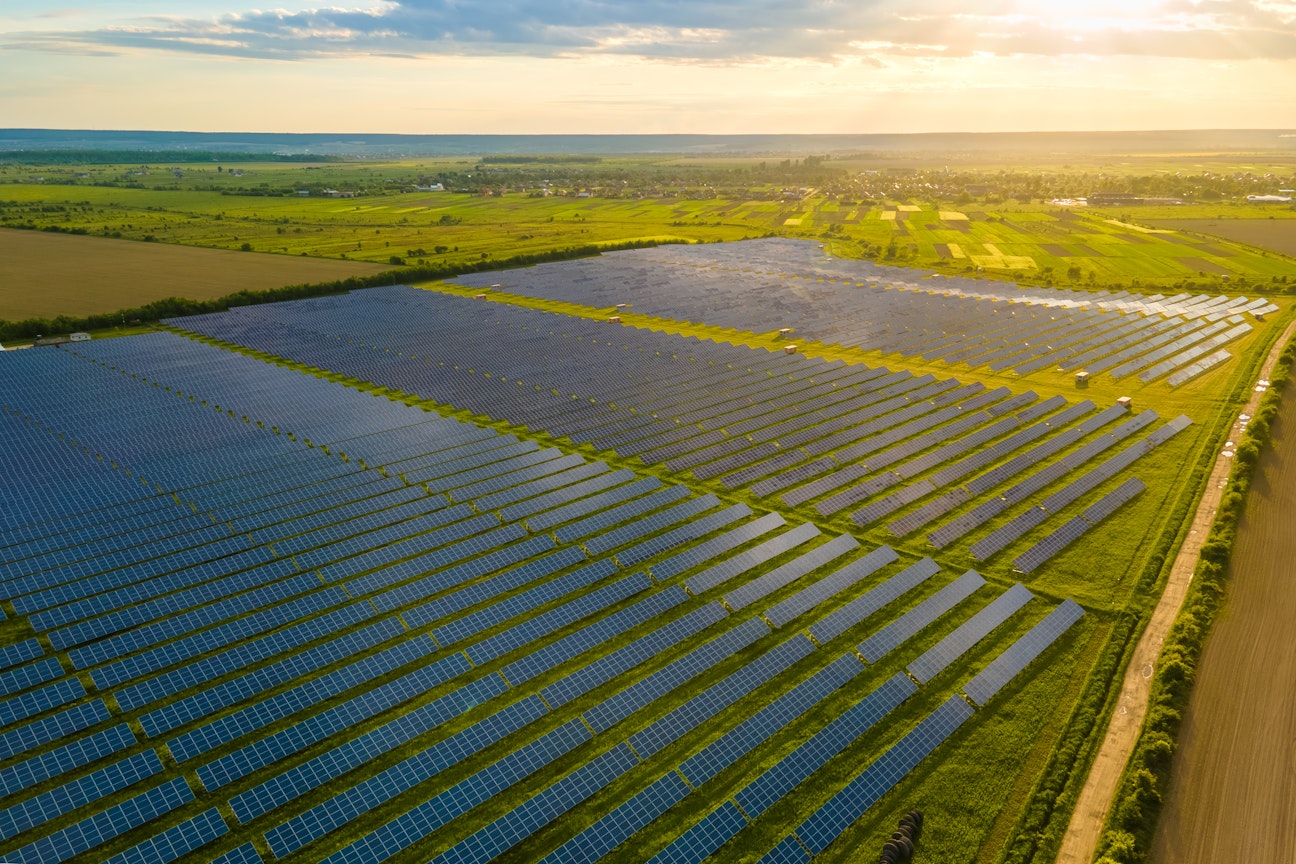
x=712 y=31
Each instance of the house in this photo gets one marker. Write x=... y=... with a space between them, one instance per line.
x=79 y=337
x=431 y=187
x=303 y=193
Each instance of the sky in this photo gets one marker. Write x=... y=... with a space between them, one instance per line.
x=648 y=66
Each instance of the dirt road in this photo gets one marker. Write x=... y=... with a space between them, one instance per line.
x=1081 y=839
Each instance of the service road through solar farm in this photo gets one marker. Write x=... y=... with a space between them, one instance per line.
x=413 y=574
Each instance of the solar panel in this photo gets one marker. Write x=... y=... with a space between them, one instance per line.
x=180 y=840
x=969 y=633
x=910 y=623
x=1019 y=655
x=788 y=573
x=872 y=600
x=618 y=706
x=732 y=746
x=830 y=585
x=754 y=557
x=796 y=767
x=842 y=810
x=610 y=831
x=718 y=696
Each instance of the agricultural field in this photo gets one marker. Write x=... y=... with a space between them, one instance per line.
x=1275 y=234
x=1232 y=772
x=914 y=217
x=47 y=275
x=444 y=578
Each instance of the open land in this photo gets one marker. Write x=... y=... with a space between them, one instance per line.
x=45 y=275
x=1278 y=235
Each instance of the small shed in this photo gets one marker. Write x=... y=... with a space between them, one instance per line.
x=1082 y=379
x=785 y=332
x=1126 y=402
x=615 y=319
x=80 y=337
x=789 y=349
x=623 y=306
x=481 y=297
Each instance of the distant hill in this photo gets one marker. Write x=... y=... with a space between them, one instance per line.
x=391 y=146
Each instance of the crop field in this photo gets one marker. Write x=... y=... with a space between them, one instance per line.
x=1232 y=774
x=1033 y=242
x=46 y=275
x=1277 y=235
x=405 y=575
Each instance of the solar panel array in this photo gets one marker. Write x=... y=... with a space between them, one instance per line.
x=354 y=623
x=867 y=443
x=766 y=285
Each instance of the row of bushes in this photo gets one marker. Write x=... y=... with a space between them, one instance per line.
x=172 y=307
x=1128 y=834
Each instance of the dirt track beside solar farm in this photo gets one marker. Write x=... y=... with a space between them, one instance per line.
x=1233 y=785
x=43 y=275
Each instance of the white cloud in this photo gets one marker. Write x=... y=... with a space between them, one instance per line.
x=709 y=30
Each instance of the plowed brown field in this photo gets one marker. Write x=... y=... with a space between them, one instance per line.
x=44 y=275
x=1232 y=795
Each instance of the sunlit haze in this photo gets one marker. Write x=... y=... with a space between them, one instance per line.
x=622 y=66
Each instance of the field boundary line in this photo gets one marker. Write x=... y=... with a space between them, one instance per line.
x=1085 y=828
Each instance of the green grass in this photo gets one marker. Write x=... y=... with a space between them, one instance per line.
x=446 y=227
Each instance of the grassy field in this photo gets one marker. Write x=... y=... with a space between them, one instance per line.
x=1037 y=243
x=46 y=275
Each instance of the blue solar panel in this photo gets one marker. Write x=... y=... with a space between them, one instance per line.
x=696 y=844
x=607 y=833
x=786 y=574
x=1018 y=656
x=621 y=705
x=872 y=600
x=352 y=803
x=827 y=587
x=176 y=841
x=842 y=810
x=779 y=714
x=796 y=767
x=701 y=553
x=105 y=825
x=910 y=623
x=591 y=675
x=718 y=696
x=527 y=818
x=399 y=833
x=969 y=633
x=754 y=557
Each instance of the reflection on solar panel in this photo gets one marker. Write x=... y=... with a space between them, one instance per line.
x=872 y=600
x=1002 y=536
x=788 y=573
x=907 y=625
x=754 y=557
x=1055 y=542
x=969 y=633
x=812 y=596
x=1018 y=656
x=842 y=810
